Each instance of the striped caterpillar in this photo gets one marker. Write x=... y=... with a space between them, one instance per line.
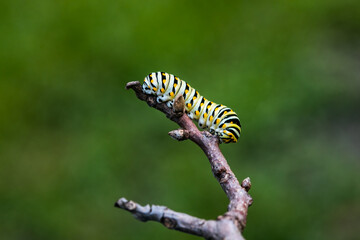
x=218 y=119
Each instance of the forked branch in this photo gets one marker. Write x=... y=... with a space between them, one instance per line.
x=227 y=226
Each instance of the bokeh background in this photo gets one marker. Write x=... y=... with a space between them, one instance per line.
x=73 y=140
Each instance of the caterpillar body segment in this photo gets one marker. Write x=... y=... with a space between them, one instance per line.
x=217 y=118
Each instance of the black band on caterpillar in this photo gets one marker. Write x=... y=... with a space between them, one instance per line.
x=218 y=119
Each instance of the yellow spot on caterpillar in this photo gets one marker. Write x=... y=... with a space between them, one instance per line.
x=197 y=113
x=225 y=112
x=218 y=121
x=231 y=122
x=164 y=81
x=175 y=84
x=162 y=90
x=150 y=75
x=216 y=109
x=205 y=115
x=208 y=106
x=176 y=78
x=189 y=105
x=224 y=126
x=231 y=110
x=201 y=104
x=163 y=74
x=152 y=81
x=155 y=89
x=186 y=91
x=194 y=98
x=211 y=118
x=171 y=94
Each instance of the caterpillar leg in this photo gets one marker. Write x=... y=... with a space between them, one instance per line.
x=170 y=103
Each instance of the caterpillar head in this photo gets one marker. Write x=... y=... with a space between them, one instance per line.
x=230 y=131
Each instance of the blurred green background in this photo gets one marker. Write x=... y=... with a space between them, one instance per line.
x=73 y=140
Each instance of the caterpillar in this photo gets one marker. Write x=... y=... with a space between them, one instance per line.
x=217 y=118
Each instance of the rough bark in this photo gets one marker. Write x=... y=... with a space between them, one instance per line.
x=227 y=226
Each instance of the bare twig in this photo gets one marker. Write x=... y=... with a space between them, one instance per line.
x=208 y=229
x=227 y=226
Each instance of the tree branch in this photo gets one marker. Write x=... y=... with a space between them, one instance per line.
x=169 y=218
x=227 y=226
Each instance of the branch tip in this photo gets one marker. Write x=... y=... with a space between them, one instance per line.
x=125 y=204
x=132 y=84
x=119 y=203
